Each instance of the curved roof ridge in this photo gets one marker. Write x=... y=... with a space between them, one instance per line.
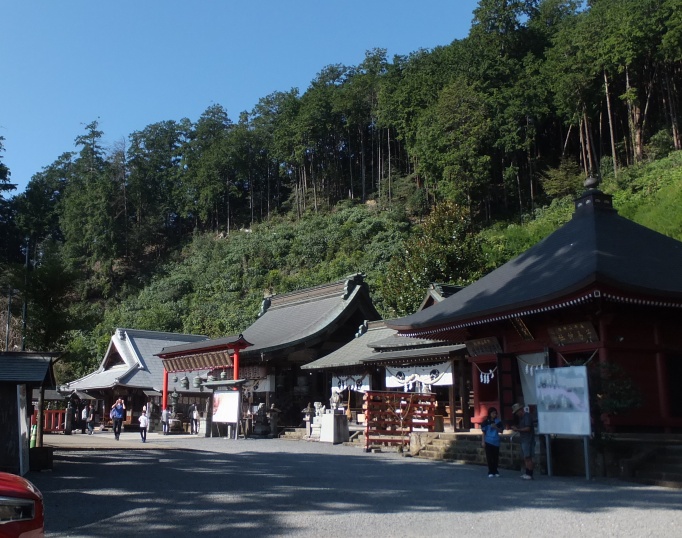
x=597 y=246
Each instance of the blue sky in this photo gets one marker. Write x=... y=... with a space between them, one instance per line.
x=135 y=62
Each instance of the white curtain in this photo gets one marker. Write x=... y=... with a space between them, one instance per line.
x=406 y=376
x=529 y=364
x=359 y=383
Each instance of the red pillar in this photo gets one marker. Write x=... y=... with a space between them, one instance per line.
x=235 y=361
x=164 y=396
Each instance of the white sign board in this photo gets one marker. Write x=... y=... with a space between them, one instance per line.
x=226 y=406
x=563 y=401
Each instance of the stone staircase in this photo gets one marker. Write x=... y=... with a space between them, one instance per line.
x=465 y=448
x=663 y=467
x=293 y=434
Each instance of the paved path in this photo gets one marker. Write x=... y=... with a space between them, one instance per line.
x=177 y=486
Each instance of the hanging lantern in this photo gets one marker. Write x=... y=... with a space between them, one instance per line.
x=184 y=382
x=223 y=375
x=196 y=382
x=175 y=379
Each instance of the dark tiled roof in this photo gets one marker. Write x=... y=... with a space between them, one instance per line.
x=421 y=354
x=365 y=349
x=140 y=367
x=305 y=317
x=596 y=247
x=26 y=367
x=354 y=351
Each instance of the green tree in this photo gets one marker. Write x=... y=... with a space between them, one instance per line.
x=451 y=146
x=7 y=228
x=87 y=217
x=445 y=250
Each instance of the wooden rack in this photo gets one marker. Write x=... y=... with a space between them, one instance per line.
x=390 y=417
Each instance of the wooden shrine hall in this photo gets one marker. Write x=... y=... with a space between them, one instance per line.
x=601 y=291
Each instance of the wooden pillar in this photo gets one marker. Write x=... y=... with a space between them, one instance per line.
x=662 y=378
x=235 y=360
x=464 y=394
x=164 y=395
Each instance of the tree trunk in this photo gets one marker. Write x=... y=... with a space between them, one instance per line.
x=611 y=126
x=669 y=104
x=388 y=138
x=362 y=164
x=583 y=150
x=591 y=154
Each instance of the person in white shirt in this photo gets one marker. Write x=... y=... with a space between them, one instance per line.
x=144 y=422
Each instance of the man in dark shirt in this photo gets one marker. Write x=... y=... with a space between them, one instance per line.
x=527 y=433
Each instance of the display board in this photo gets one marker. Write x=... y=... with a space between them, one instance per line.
x=226 y=405
x=563 y=402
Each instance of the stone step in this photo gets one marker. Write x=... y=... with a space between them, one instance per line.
x=660 y=478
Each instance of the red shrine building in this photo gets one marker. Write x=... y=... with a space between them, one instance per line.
x=601 y=291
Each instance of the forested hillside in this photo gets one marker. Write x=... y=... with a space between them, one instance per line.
x=439 y=165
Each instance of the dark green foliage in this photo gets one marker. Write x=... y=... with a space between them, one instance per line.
x=444 y=249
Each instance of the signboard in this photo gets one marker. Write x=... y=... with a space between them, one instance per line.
x=563 y=401
x=226 y=406
x=483 y=346
x=574 y=333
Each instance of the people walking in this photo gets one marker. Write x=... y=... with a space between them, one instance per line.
x=527 y=433
x=90 y=419
x=144 y=422
x=490 y=440
x=118 y=412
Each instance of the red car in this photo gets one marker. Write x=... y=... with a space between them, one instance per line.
x=21 y=508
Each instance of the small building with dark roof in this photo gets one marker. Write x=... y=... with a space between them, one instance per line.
x=20 y=373
x=376 y=358
x=601 y=290
x=291 y=330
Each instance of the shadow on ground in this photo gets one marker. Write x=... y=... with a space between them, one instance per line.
x=183 y=493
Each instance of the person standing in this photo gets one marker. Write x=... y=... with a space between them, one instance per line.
x=144 y=422
x=90 y=419
x=164 y=420
x=195 y=419
x=84 y=417
x=118 y=414
x=492 y=427
x=527 y=433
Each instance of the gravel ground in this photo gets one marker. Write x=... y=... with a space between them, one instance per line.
x=194 y=486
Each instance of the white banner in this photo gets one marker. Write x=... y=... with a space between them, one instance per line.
x=406 y=376
x=529 y=365
x=563 y=401
x=359 y=383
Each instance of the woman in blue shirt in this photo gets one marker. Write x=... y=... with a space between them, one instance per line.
x=490 y=441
